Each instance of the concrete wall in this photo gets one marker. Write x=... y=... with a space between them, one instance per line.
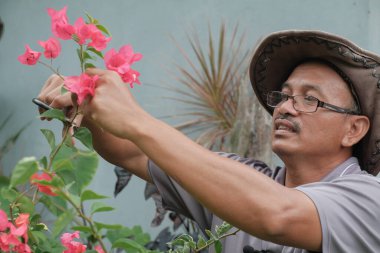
x=148 y=25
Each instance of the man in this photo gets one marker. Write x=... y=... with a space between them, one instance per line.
x=321 y=90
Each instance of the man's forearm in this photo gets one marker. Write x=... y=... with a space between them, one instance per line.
x=120 y=152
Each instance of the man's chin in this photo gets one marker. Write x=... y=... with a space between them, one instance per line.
x=281 y=147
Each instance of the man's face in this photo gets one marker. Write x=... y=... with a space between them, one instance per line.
x=314 y=134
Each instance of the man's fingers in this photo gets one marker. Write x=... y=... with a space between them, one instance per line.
x=95 y=71
x=61 y=101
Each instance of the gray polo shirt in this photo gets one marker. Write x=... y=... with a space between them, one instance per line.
x=347 y=201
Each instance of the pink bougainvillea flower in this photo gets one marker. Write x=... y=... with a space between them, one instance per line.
x=82 y=86
x=22 y=219
x=131 y=76
x=99 y=40
x=7 y=241
x=60 y=23
x=67 y=240
x=22 y=248
x=30 y=57
x=99 y=249
x=4 y=223
x=121 y=63
x=47 y=189
x=52 y=47
x=84 y=31
x=22 y=223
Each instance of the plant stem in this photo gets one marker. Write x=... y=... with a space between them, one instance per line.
x=52 y=69
x=85 y=218
x=219 y=238
x=81 y=58
x=65 y=133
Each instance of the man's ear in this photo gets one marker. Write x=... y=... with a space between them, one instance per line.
x=357 y=129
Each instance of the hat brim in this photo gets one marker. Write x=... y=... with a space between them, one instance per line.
x=279 y=53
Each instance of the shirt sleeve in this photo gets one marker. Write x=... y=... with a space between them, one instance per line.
x=349 y=212
x=177 y=199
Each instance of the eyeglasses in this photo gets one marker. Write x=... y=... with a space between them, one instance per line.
x=303 y=103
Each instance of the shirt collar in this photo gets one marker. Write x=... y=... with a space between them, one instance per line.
x=350 y=166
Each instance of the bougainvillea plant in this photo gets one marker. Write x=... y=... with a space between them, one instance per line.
x=56 y=184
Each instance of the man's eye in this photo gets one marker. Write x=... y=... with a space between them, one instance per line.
x=310 y=99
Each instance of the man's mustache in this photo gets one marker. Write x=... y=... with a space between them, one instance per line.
x=295 y=125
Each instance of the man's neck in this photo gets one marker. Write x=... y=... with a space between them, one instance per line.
x=303 y=171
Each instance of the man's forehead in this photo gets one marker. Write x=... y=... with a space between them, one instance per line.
x=304 y=86
x=315 y=75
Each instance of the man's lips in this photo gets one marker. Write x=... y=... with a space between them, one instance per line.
x=282 y=124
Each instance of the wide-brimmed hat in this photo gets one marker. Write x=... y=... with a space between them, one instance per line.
x=276 y=56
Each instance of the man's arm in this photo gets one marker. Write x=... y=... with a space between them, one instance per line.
x=118 y=151
x=237 y=194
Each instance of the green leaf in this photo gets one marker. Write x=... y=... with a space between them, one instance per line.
x=101 y=226
x=82 y=229
x=100 y=207
x=55 y=205
x=54 y=114
x=62 y=222
x=91 y=20
x=128 y=244
x=39 y=227
x=88 y=194
x=89 y=65
x=210 y=234
x=84 y=135
x=218 y=246
x=7 y=196
x=87 y=56
x=103 y=29
x=201 y=242
x=222 y=229
x=24 y=169
x=4 y=181
x=98 y=53
x=77 y=166
x=49 y=135
x=44 y=162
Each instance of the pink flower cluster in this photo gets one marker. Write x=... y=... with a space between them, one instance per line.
x=72 y=246
x=61 y=28
x=121 y=63
x=92 y=37
x=14 y=237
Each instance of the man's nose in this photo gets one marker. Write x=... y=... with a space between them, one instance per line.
x=287 y=107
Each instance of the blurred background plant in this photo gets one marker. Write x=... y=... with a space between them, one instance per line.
x=6 y=145
x=222 y=112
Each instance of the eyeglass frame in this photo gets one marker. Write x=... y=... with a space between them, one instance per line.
x=320 y=103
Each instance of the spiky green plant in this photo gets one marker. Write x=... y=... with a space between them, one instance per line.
x=212 y=84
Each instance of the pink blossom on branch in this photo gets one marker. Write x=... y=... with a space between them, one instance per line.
x=83 y=30
x=30 y=57
x=47 y=189
x=82 y=86
x=121 y=63
x=67 y=240
x=60 y=23
x=4 y=223
x=52 y=47
x=99 y=40
x=99 y=249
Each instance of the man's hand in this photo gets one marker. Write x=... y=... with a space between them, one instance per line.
x=113 y=107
